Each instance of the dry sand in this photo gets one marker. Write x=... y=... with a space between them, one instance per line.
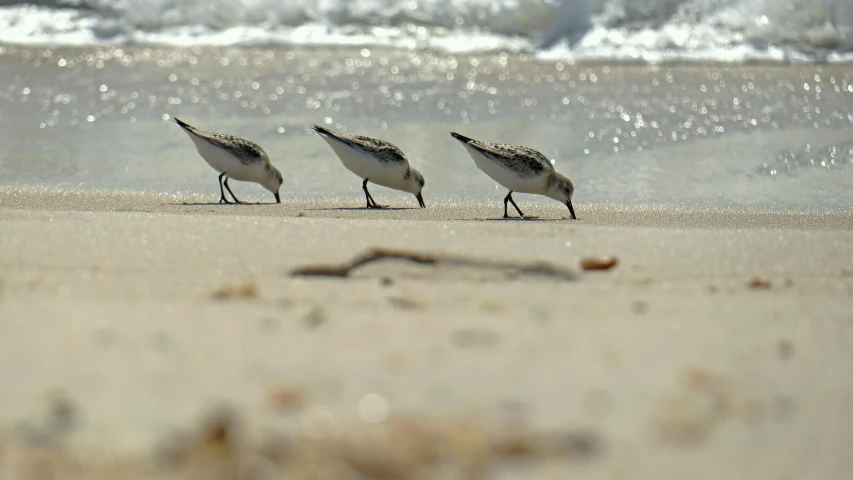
x=720 y=346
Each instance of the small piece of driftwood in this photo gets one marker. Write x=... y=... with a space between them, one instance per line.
x=379 y=254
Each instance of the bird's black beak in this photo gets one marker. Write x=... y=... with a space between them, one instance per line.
x=571 y=210
x=420 y=200
x=277 y=197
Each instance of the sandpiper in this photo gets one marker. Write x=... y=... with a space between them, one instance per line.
x=235 y=157
x=520 y=169
x=375 y=161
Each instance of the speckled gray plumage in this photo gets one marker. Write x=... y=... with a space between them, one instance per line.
x=524 y=161
x=383 y=151
x=246 y=151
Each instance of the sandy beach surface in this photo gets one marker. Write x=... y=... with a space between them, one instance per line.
x=148 y=332
x=148 y=336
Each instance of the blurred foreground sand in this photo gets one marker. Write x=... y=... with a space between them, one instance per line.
x=144 y=338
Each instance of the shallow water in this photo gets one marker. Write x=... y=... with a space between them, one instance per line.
x=761 y=136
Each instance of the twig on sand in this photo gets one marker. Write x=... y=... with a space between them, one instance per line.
x=512 y=269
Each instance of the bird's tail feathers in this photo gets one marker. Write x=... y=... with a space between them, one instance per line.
x=323 y=130
x=183 y=124
x=461 y=138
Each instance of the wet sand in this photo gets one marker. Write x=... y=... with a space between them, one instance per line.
x=718 y=347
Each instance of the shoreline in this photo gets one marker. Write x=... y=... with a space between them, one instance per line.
x=798 y=59
x=689 y=136
x=402 y=207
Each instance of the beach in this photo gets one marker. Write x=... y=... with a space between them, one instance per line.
x=719 y=345
x=695 y=320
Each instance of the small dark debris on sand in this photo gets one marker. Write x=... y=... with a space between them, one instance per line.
x=378 y=254
x=286 y=399
x=247 y=290
x=760 y=283
x=405 y=303
x=315 y=318
x=50 y=433
x=603 y=262
x=63 y=415
x=215 y=439
x=570 y=444
x=639 y=307
x=476 y=337
x=785 y=349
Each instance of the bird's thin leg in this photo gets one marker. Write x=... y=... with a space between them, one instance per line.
x=371 y=203
x=237 y=200
x=375 y=205
x=222 y=198
x=366 y=193
x=509 y=199
x=506 y=202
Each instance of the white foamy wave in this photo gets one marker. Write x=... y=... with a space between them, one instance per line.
x=645 y=30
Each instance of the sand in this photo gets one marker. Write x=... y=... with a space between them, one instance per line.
x=720 y=346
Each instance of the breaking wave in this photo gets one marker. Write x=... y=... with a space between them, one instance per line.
x=646 y=30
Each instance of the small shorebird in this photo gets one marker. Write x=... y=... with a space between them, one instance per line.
x=235 y=157
x=376 y=161
x=520 y=169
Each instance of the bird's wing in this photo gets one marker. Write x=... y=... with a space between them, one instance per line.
x=382 y=150
x=523 y=160
x=246 y=151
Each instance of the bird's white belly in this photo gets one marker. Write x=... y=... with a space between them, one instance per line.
x=223 y=162
x=365 y=166
x=505 y=176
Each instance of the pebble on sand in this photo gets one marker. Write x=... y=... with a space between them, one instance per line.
x=599 y=263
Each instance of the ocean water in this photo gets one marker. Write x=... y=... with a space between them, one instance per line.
x=648 y=30
x=693 y=103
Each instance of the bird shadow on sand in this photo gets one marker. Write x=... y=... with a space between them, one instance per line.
x=520 y=219
x=332 y=209
x=212 y=204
